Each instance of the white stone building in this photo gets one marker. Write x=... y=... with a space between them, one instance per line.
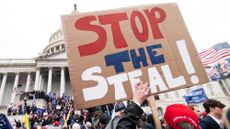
x=49 y=72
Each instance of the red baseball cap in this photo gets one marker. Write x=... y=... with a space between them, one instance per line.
x=180 y=113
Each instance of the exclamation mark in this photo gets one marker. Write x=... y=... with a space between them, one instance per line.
x=181 y=45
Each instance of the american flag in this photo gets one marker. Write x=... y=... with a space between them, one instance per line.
x=215 y=53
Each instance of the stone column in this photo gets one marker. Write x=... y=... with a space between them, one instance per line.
x=28 y=82
x=3 y=85
x=62 y=86
x=55 y=50
x=40 y=84
x=60 y=48
x=37 y=79
x=15 y=87
x=49 y=85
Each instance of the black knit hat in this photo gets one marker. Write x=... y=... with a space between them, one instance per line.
x=119 y=106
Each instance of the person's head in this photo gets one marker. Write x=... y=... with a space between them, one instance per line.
x=76 y=126
x=85 y=111
x=214 y=107
x=104 y=120
x=88 y=124
x=119 y=108
x=195 y=109
x=179 y=115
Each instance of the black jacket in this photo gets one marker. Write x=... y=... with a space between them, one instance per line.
x=209 y=123
x=132 y=115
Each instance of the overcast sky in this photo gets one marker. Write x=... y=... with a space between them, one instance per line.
x=26 y=25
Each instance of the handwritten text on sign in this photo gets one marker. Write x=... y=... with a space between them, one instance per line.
x=110 y=51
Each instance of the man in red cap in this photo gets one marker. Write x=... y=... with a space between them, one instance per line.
x=179 y=116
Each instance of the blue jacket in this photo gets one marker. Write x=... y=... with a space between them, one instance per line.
x=209 y=123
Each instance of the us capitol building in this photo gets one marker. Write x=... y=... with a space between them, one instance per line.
x=49 y=72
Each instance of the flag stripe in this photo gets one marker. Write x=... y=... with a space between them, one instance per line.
x=205 y=53
x=215 y=53
x=213 y=61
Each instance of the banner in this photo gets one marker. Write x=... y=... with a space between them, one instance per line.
x=4 y=122
x=110 y=51
x=196 y=96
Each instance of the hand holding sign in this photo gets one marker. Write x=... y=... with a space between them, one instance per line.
x=141 y=92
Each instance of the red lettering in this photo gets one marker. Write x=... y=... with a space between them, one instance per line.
x=154 y=21
x=96 y=46
x=114 y=19
x=141 y=36
x=155 y=16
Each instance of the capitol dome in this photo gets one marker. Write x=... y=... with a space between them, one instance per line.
x=55 y=46
x=56 y=42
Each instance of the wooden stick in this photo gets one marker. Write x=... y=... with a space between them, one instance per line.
x=152 y=104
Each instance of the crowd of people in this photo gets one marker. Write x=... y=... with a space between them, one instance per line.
x=60 y=112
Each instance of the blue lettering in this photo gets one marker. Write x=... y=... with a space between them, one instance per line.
x=138 y=59
x=116 y=60
x=153 y=54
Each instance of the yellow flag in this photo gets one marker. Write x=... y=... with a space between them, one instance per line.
x=26 y=121
x=67 y=118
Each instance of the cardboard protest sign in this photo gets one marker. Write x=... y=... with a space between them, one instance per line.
x=110 y=51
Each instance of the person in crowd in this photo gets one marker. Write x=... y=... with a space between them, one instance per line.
x=58 y=107
x=179 y=116
x=197 y=110
x=87 y=115
x=20 y=112
x=132 y=114
x=18 y=123
x=149 y=124
x=226 y=117
x=163 y=122
x=76 y=126
x=89 y=125
x=14 y=110
x=214 y=111
x=9 y=109
x=118 y=112
x=103 y=121
x=119 y=109
x=95 y=119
